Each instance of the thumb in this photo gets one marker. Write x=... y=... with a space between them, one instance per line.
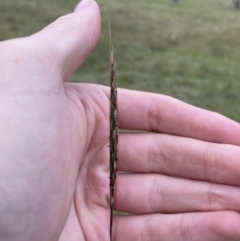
x=71 y=38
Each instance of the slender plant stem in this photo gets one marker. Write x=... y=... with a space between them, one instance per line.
x=113 y=130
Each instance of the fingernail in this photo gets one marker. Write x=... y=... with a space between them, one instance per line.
x=82 y=4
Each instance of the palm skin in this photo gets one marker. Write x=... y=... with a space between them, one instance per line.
x=90 y=213
x=183 y=174
x=52 y=134
x=54 y=137
x=61 y=131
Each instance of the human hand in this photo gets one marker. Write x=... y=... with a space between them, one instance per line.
x=183 y=175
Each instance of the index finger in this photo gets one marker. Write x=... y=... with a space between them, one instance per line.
x=163 y=114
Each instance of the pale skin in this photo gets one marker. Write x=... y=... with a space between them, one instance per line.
x=184 y=170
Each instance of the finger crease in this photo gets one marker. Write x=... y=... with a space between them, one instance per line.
x=193 y=125
x=156 y=197
x=185 y=231
x=211 y=198
x=154 y=119
x=146 y=230
x=156 y=156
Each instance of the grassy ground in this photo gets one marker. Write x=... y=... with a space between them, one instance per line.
x=189 y=51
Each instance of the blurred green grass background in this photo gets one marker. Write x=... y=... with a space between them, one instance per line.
x=190 y=50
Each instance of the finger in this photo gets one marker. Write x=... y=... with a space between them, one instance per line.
x=70 y=39
x=158 y=113
x=215 y=226
x=179 y=156
x=145 y=194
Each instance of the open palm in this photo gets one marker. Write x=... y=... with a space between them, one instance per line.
x=180 y=174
